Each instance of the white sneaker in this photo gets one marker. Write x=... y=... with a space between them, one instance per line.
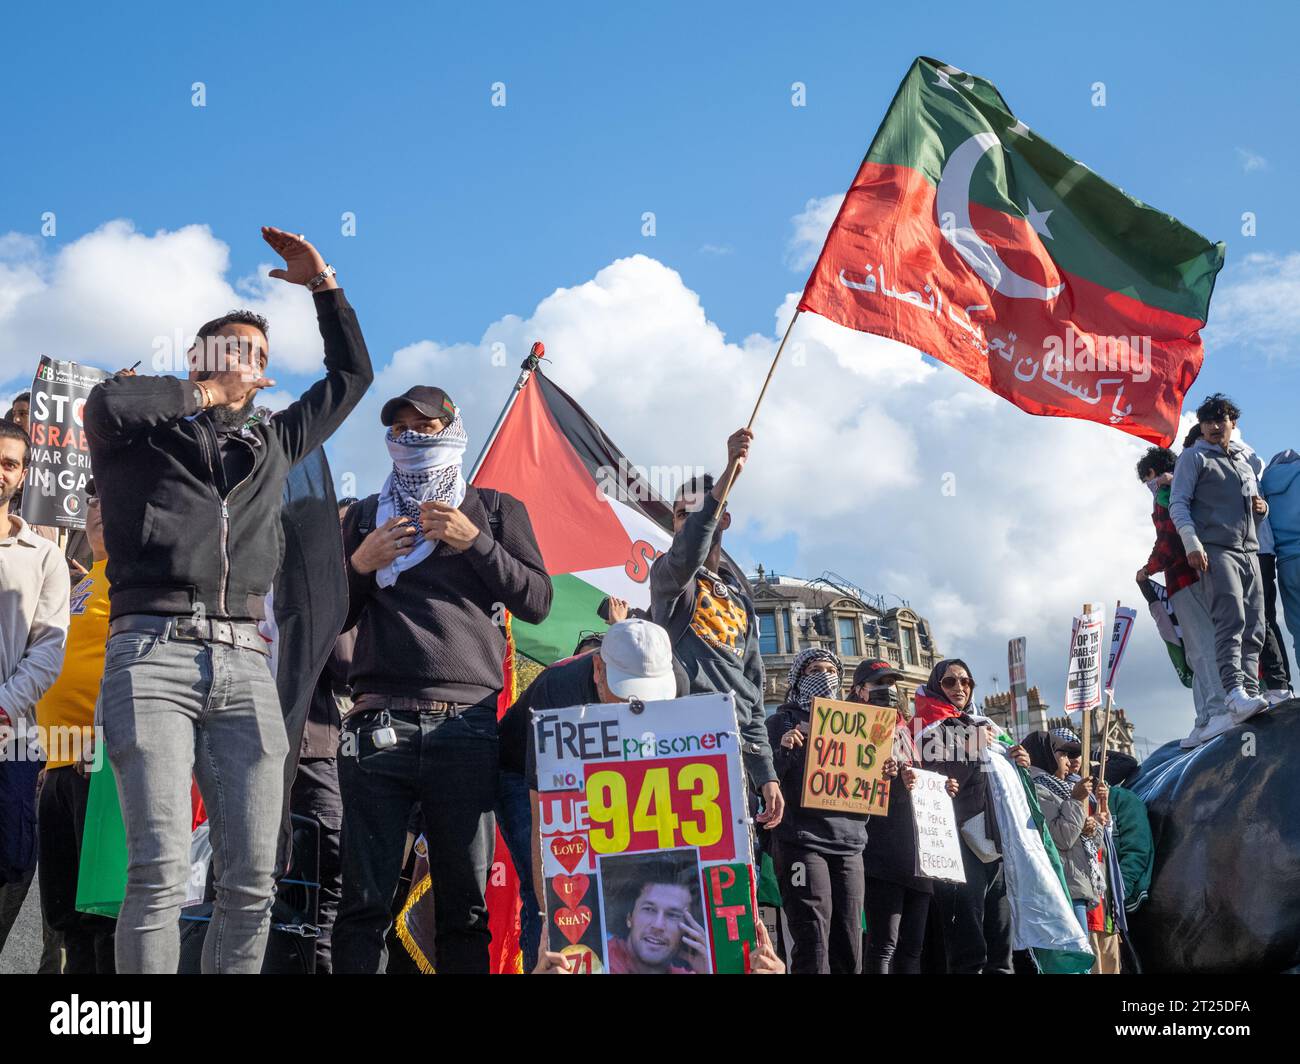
x=1216 y=726
x=1241 y=706
x=1193 y=740
x=1278 y=694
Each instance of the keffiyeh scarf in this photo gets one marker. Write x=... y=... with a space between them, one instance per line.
x=804 y=688
x=426 y=468
x=1063 y=789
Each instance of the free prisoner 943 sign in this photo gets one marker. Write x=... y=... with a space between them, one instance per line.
x=55 y=493
x=847 y=746
x=646 y=849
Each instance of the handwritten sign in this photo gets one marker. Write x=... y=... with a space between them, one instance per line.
x=646 y=850
x=847 y=746
x=938 y=847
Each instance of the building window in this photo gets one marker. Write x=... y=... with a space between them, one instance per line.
x=908 y=642
x=766 y=632
x=789 y=636
x=848 y=633
x=770 y=707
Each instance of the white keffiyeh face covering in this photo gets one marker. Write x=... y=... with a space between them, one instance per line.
x=426 y=468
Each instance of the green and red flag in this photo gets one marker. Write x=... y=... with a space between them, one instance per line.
x=968 y=236
x=598 y=521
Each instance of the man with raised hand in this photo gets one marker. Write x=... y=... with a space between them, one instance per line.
x=192 y=482
x=711 y=621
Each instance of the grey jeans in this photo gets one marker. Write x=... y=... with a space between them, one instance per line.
x=171 y=709
x=1193 y=604
x=1237 y=606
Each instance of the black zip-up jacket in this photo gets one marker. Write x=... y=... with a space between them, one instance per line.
x=437 y=632
x=174 y=543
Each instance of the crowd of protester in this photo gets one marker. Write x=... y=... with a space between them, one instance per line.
x=160 y=646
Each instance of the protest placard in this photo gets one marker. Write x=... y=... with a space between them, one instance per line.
x=60 y=466
x=938 y=847
x=646 y=851
x=847 y=746
x=1119 y=637
x=1083 y=682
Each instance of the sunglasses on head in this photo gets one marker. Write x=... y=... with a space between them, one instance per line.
x=953 y=681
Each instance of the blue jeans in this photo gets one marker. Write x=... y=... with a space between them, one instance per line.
x=447 y=762
x=515 y=815
x=173 y=709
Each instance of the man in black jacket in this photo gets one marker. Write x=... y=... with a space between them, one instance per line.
x=433 y=567
x=192 y=479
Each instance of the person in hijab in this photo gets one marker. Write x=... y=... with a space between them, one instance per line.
x=897 y=898
x=817 y=852
x=1065 y=797
x=953 y=739
x=432 y=563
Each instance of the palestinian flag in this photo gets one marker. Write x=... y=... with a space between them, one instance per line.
x=598 y=522
x=970 y=237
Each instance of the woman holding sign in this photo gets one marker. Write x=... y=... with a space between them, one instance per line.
x=897 y=897
x=817 y=852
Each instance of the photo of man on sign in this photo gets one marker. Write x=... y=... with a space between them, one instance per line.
x=654 y=909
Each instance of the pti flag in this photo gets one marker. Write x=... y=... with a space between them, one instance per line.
x=598 y=521
x=968 y=236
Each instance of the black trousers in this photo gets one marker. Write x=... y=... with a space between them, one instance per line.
x=448 y=764
x=316 y=794
x=976 y=919
x=1275 y=669
x=822 y=895
x=896 y=917
x=61 y=821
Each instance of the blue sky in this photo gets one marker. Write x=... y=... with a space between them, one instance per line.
x=467 y=214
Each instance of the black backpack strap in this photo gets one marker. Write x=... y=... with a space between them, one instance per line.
x=369 y=508
x=491 y=499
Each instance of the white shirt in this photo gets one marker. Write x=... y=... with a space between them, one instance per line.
x=34 y=589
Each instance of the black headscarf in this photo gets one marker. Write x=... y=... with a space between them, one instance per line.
x=1120 y=768
x=1038 y=745
x=934 y=685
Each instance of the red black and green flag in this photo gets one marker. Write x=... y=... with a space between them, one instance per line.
x=598 y=521
x=968 y=236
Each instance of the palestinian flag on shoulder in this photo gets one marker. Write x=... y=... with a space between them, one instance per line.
x=968 y=236
x=598 y=521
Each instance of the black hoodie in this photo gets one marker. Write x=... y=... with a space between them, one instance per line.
x=819 y=830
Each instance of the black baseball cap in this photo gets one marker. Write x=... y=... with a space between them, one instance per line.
x=874 y=671
x=431 y=402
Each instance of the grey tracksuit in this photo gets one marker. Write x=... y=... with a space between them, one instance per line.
x=1210 y=504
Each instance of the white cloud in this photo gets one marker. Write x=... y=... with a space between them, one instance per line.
x=810 y=228
x=1251 y=161
x=1257 y=307
x=115 y=295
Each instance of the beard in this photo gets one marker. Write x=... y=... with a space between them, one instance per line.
x=231 y=417
x=7 y=494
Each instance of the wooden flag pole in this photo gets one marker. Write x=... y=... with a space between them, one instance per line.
x=731 y=475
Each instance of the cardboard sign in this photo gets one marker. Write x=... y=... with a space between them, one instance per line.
x=646 y=850
x=56 y=479
x=938 y=847
x=1083 y=683
x=845 y=753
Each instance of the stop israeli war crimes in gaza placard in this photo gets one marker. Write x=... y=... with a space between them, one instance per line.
x=646 y=848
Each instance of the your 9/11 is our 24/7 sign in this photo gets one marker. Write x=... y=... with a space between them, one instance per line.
x=646 y=848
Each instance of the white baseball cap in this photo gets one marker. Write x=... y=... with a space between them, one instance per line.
x=639 y=661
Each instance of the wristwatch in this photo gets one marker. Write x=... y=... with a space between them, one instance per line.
x=202 y=396
x=321 y=277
